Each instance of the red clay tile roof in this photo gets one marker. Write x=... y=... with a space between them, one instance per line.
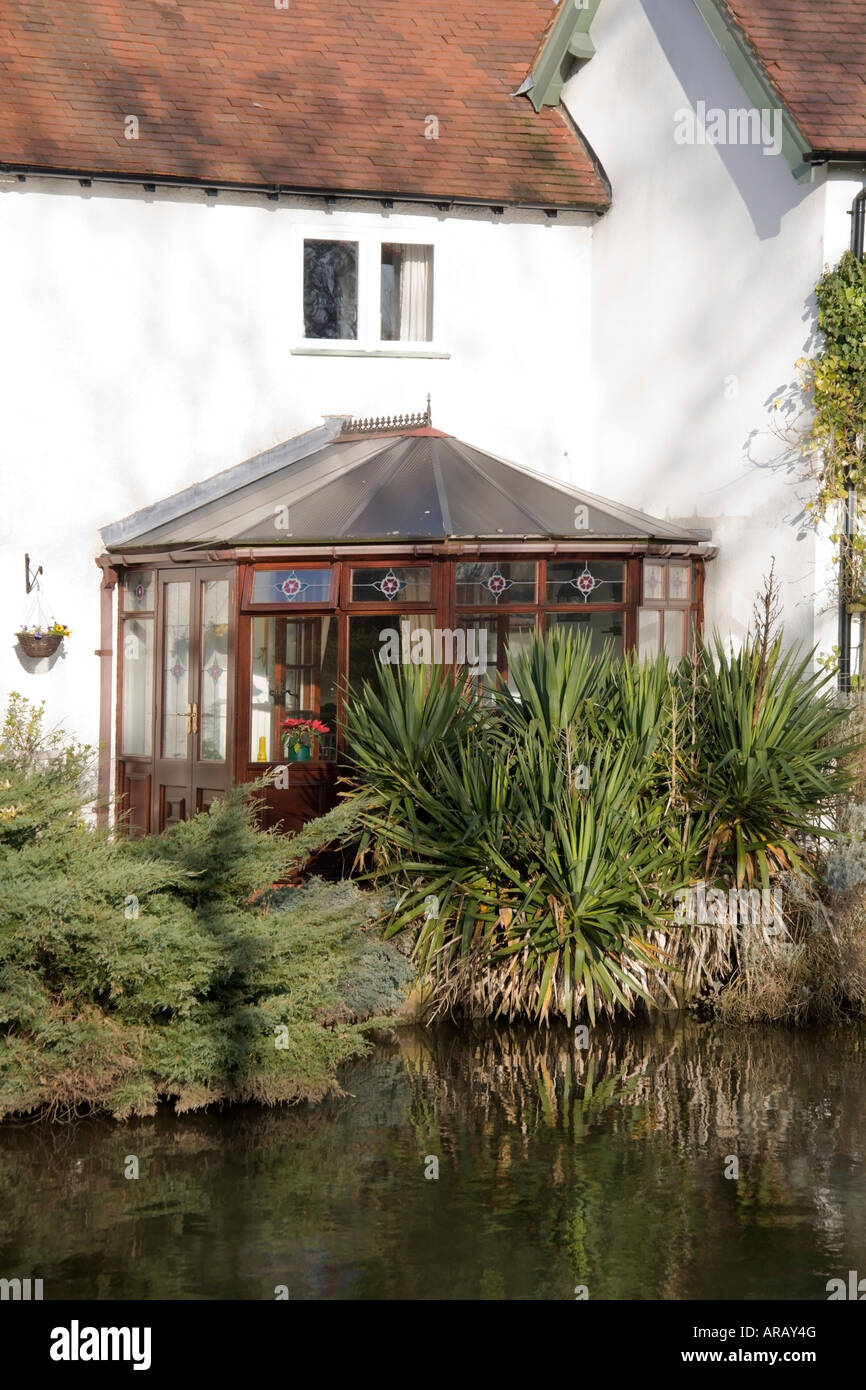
x=814 y=53
x=326 y=95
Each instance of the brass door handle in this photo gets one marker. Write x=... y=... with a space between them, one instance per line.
x=195 y=719
x=192 y=719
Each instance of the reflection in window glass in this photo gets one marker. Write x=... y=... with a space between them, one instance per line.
x=137 y=696
x=496 y=583
x=603 y=628
x=649 y=632
x=330 y=289
x=294 y=676
x=410 y=639
x=292 y=586
x=386 y=585
x=482 y=639
x=407 y=293
x=521 y=629
x=674 y=638
x=585 y=581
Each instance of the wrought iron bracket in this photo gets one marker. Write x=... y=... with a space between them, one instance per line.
x=30 y=579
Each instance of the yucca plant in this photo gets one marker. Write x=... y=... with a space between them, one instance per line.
x=557 y=681
x=537 y=845
x=767 y=761
x=393 y=732
x=541 y=882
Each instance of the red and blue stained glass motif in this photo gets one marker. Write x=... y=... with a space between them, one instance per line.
x=585 y=583
x=292 y=587
x=496 y=584
x=390 y=586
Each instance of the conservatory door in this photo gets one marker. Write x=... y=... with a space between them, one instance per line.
x=192 y=763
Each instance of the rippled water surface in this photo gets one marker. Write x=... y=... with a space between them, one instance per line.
x=557 y=1168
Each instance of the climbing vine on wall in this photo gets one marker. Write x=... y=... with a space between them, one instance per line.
x=836 y=380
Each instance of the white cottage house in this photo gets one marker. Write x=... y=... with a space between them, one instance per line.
x=244 y=241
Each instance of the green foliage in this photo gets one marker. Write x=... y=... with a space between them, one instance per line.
x=766 y=763
x=836 y=380
x=397 y=733
x=538 y=847
x=134 y=971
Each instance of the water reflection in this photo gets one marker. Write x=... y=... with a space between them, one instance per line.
x=557 y=1167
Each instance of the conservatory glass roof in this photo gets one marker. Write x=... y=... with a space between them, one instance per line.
x=347 y=482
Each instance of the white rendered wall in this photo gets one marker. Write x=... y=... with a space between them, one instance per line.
x=703 y=274
x=147 y=343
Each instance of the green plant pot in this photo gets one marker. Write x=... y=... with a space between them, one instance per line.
x=299 y=753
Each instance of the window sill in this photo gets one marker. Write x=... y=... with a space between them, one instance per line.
x=368 y=352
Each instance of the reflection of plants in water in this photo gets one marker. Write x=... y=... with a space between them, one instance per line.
x=557 y=1167
x=689 y=1097
x=522 y=1076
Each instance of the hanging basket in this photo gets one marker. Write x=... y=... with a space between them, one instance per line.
x=44 y=645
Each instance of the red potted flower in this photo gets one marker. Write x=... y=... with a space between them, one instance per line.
x=298 y=737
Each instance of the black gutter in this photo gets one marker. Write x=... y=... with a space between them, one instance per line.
x=834 y=157
x=152 y=182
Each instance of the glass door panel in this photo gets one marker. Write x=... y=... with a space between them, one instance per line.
x=137 y=690
x=176 y=701
x=213 y=678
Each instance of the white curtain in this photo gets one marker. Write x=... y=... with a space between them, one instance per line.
x=416 y=294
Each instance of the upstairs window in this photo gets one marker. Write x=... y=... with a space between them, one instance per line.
x=367 y=295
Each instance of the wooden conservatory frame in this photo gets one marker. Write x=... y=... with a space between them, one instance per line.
x=198 y=704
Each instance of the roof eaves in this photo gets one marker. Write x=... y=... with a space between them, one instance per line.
x=274 y=191
x=753 y=78
x=567 y=40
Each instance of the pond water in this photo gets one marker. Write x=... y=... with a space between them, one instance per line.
x=557 y=1168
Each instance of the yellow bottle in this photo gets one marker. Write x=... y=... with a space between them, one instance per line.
x=263 y=750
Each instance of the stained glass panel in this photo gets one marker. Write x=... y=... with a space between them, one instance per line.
x=501 y=584
x=176 y=657
x=585 y=581
x=389 y=585
x=214 y=669
x=138 y=588
x=292 y=586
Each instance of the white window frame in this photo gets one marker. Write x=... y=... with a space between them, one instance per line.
x=369 y=342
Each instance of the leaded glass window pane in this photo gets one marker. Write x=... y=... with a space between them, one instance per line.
x=331 y=289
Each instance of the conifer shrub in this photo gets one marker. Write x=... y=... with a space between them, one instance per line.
x=167 y=968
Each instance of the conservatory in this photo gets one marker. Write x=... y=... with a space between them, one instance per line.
x=250 y=605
